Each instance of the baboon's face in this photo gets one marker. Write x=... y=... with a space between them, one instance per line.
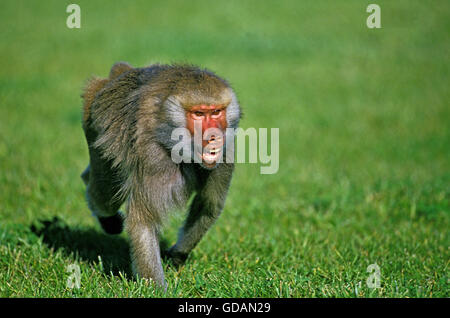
x=211 y=122
x=209 y=115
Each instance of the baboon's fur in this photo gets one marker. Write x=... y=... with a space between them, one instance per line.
x=127 y=120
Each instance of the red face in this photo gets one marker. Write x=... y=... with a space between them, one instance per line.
x=210 y=116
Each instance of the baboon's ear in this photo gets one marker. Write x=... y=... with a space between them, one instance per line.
x=119 y=68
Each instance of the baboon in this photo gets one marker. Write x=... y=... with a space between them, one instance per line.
x=128 y=120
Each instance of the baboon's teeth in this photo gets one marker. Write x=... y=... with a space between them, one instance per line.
x=211 y=156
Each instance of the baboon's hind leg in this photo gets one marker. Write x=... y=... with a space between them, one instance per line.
x=85 y=175
x=100 y=196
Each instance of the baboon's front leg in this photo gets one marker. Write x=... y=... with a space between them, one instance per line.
x=200 y=218
x=145 y=253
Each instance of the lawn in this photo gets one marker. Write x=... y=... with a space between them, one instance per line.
x=363 y=117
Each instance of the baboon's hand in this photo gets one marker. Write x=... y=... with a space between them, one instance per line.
x=176 y=258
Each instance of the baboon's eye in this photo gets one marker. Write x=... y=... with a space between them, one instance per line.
x=216 y=112
x=198 y=114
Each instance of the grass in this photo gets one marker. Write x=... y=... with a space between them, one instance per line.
x=364 y=147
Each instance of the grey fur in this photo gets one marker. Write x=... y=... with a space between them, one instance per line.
x=128 y=119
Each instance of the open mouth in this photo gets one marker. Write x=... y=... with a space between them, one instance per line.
x=212 y=151
x=211 y=156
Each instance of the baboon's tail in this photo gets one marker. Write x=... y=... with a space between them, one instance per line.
x=95 y=84
x=119 y=68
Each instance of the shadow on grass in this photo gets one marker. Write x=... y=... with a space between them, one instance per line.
x=87 y=244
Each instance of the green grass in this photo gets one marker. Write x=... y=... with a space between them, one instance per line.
x=364 y=146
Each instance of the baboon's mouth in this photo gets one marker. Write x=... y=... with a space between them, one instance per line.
x=212 y=150
x=212 y=155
